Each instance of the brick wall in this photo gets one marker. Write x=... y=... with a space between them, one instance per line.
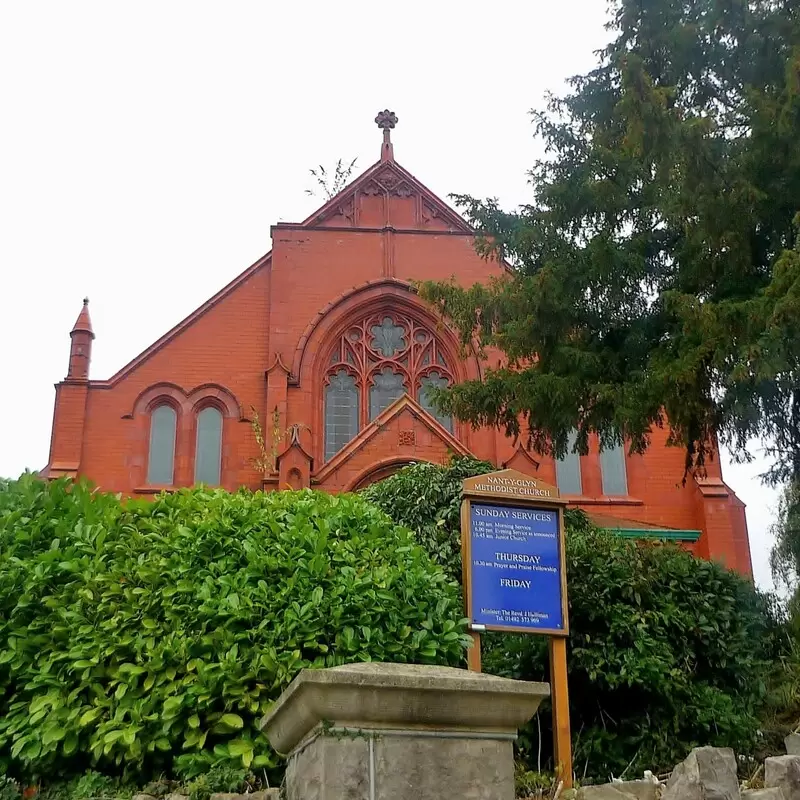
x=281 y=314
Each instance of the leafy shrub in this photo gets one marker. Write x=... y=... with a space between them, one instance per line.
x=93 y=786
x=427 y=498
x=782 y=712
x=665 y=651
x=220 y=778
x=529 y=784
x=153 y=636
x=90 y=785
x=9 y=789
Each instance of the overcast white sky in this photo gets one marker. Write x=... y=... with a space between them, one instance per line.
x=146 y=148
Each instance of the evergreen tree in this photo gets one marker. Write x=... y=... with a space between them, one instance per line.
x=785 y=556
x=655 y=276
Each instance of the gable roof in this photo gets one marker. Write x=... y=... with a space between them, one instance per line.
x=388 y=177
x=385 y=176
x=404 y=404
x=184 y=323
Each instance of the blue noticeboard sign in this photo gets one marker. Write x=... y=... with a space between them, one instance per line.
x=516 y=568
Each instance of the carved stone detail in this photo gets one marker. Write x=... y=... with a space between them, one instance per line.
x=389 y=179
x=347 y=210
x=407 y=438
x=386 y=120
x=373 y=188
x=429 y=212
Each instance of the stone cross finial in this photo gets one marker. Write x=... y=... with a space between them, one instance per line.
x=386 y=120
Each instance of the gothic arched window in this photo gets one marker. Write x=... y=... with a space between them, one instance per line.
x=161 y=454
x=375 y=362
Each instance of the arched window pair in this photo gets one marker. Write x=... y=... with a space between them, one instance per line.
x=208 y=446
x=612 y=471
x=374 y=363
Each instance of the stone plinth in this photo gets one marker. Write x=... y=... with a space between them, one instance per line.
x=392 y=731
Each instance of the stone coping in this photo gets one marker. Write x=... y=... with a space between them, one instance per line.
x=377 y=696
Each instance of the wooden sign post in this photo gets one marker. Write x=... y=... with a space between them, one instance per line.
x=514 y=576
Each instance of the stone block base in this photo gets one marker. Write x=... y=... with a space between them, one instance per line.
x=400 y=732
x=381 y=765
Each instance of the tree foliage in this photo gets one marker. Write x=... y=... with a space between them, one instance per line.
x=427 y=499
x=331 y=183
x=655 y=276
x=153 y=636
x=785 y=557
x=665 y=652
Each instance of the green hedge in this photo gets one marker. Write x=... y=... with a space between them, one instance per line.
x=666 y=651
x=152 y=636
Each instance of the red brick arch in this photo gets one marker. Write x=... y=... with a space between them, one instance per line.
x=380 y=470
x=389 y=296
x=187 y=404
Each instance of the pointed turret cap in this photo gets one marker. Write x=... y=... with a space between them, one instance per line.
x=84 y=323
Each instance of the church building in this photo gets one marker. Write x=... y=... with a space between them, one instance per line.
x=310 y=369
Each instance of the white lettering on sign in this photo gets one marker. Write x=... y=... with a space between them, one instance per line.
x=484 y=511
x=505 y=513
x=523 y=558
x=518 y=486
x=513 y=583
x=538 y=516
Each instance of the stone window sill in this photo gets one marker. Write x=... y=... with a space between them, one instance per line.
x=603 y=500
x=155 y=489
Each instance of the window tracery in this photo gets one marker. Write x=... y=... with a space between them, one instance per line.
x=373 y=363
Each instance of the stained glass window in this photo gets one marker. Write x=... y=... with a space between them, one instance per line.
x=161 y=454
x=341 y=412
x=388 y=338
x=387 y=387
x=208 y=453
x=374 y=362
x=438 y=381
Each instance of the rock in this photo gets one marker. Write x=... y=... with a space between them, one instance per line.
x=621 y=790
x=144 y=797
x=708 y=773
x=772 y=793
x=605 y=791
x=157 y=788
x=176 y=796
x=792 y=742
x=783 y=772
x=641 y=790
x=265 y=794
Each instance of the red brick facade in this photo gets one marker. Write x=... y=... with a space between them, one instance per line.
x=268 y=343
